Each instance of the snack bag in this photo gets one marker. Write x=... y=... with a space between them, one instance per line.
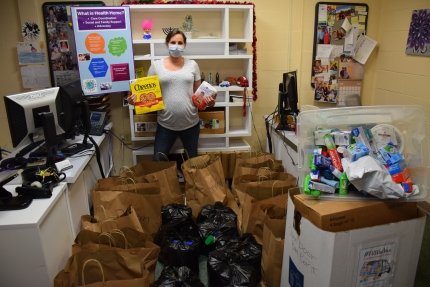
x=205 y=89
x=148 y=94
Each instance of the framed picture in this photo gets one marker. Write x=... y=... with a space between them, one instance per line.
x=60 y=41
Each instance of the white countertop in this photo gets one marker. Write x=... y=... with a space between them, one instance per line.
x=34 y=213
x=79 y=161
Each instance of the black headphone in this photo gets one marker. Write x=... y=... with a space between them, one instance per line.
x=13 y=163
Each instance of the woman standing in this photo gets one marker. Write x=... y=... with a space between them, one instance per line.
x=179 y=78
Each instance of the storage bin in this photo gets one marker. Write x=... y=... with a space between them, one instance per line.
x=409 y=121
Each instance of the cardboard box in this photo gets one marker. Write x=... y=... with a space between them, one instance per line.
x=358 y=255
x=145 y=125
x=212 y=122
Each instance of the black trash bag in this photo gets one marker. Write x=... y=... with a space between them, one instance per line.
x=217 y=225
x=183 y=226
x=236 y=264
x=178 y=277
x=215 y=236
x=250 y=251
x=181 y=250
x=216 y=212
x=175 y=211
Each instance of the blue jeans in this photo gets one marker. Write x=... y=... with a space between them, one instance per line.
x=165 y=138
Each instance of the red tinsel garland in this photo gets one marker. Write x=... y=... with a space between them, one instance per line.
x=254 y=35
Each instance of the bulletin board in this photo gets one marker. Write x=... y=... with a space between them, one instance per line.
x=336 y=75
x=62 y=56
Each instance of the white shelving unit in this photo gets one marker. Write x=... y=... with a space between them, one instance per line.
x=218 y=27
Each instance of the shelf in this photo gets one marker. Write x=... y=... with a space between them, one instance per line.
x=217 y=27
x=210 y=146
x=196 y=57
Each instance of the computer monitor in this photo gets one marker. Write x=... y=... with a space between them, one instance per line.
x=70 y=113
x=25 y=114
x=289 y=80
x=287 y=101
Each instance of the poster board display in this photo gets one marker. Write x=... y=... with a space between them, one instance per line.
x=62 y=57
x=338 y=27
x=104 y=48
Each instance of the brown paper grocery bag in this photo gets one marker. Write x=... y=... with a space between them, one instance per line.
x=256 y=160
x=144 y=197
x=163 y=172
x=107 y=183
x=204 y=181
x=124 y=238
x=104 y=267
x=259 y=164
x=105 y=223
x=269 y=210
x=273 y=250
x=128 y=240
x=252 y=194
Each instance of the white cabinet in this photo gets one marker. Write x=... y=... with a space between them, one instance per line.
x=35 y=242
x=221 y=43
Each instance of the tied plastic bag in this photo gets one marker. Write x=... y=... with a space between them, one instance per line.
x=367 y=175
x=178 y=277
x=236 y=264
x=181 y=250
x=178 y=238
x=175 y=211
x=217 y=226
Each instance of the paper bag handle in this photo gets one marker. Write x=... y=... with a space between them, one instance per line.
x=85 y=265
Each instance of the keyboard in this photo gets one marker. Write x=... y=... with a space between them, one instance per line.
x=75 y=148
x=39 y=152
x=25 y=150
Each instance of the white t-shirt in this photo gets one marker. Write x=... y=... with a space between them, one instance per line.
x=177 y=88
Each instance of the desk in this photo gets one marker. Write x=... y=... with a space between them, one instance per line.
x=284 y=147
x=82 y=177
x=35 y=242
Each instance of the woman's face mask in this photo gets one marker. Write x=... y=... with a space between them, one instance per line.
x=176 y=50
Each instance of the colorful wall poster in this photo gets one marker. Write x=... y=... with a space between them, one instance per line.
x=418 y=43
x=104 y=48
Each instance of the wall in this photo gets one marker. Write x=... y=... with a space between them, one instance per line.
x=10 y=77
x=400 y=79
x=285 y=31
x=285 y=38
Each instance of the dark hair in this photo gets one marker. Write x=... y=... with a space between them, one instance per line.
x=174 y=32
